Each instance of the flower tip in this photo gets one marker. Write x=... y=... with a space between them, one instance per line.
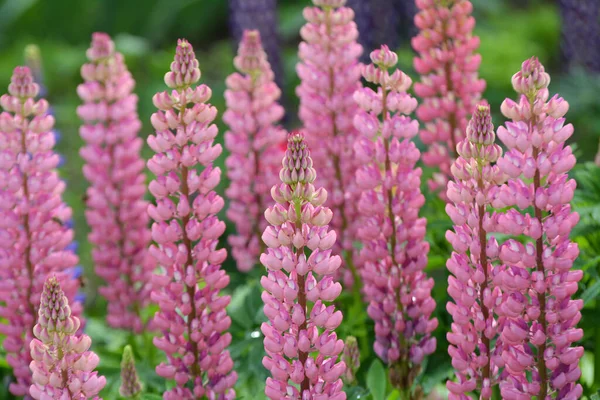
x=531 y=78
x=384 y=57
x=297 y=163
x=480 y=129
x=102 y=47
x=22 y=84
x=251 y=57
x=185 y=69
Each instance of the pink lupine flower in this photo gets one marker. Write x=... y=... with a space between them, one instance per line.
x=475 y=347
x=449 y=88
x=192 y=315
x=116 y=209
x=255 y=145
x=34 y=235
x=394 y=251
x=330 y=73
x=300 y=341
x=63 y=365
x=540 y=328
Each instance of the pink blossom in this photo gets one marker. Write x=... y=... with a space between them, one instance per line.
x=254 y=142
x=449 y=88
x=186 y=230
x=63 y=364
x=329 y=73
x=475 y=346
x=394 y=251
x=539 y=333
x=34 y=233
x=116 y=209
x=300 y=341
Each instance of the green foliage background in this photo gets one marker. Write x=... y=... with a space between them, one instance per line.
x=146 y=32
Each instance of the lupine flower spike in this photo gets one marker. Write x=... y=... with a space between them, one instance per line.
x=255 y=143
x=449 y=88
x=300 y=341
x=116 y=209
x=329 y=72
x=540 y=329
x=394 y=251
x=33 y=225
x=351 y=357
x=192 y=315
x=62 y=366
x=475 y=347
x=33 y=59
x=131 y=387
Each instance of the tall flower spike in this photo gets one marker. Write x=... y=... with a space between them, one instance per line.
x=116 y=209
x=192 y=315
x=255 y=144
x=449 y=87
x=33 y=225
x=62 y=366
x=475 y=346
x=394 y=251
x=540 y=328
x=130 y=382
x=300 y=341
x=329 y=72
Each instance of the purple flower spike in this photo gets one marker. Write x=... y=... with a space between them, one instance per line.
x=449 y=87
x=300 y=341
x=192 y=316
x=329 y=73
x=539 y=281
x=116 y=209
x=255 y=142
x=36 y=238
x=394 y=251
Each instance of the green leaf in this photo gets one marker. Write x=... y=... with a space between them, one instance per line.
x=237 y=310
x=377 y=380
x=591 y=293
x=151 y=396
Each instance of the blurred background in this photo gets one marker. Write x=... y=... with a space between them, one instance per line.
x=564 y=34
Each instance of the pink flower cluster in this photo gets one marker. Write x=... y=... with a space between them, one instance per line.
x=62 y=366
x=449 y=86
x=300 y=341
x=34 y=235
x=116 y=209
x=329 y=72
x=255 y=144
x=394 y=251
x=192 y=316
x=474 y=286
x=540 y=328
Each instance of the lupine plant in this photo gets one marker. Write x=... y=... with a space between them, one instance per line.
x=35 y=239
x=254 y=142
x=300 y=340
x=449 y=86
x=540 y=328
x=63 y=366
x=351 y=232
x=116 y=209
x=192 y=317
x=394 y=251
x=475 y=346
x=329 y=73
